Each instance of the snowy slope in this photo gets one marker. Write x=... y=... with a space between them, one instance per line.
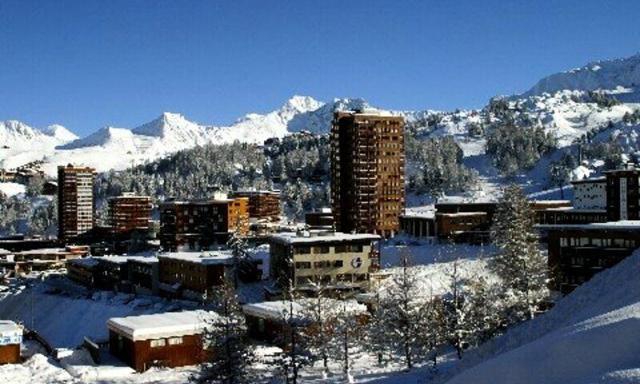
x=605 y=74
x=590 y=336
x=20 y=143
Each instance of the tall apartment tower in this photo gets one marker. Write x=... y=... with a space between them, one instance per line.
x=129 y=212
x=367 y=172
x=75 y=201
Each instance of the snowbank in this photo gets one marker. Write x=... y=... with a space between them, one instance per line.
x=589 y=336
x=12 y=189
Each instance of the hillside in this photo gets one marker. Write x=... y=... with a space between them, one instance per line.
x=588 y=337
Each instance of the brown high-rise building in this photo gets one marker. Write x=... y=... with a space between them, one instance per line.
x=367 y=172
x=129 y=212
x=75 y=201
x=197 y=225
x=262 y=204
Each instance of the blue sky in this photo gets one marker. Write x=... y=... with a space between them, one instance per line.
x=87 y=64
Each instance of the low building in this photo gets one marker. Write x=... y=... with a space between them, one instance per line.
x=192 y=274
x=83 y=271
x=24 y=262
x=340 y=261
x=419 y=223
x=263 y=205
x=197 y=225
x=269 y=320
x=322 y=218
x=10 y=342
x=144 y=274
x=169 y=339
x=579 y=251
x=111 y=272
x=128 y=213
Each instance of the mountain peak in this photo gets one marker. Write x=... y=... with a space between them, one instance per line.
x=300 y=103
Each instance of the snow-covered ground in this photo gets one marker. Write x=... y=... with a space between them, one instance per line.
x=590 y=336
x=12 y=189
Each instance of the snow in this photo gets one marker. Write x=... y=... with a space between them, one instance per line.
x=589 y=336
x=279 y=309
x=205 y=257
x=312 y=237
x=170 y=324
x=622 y=225
x=12 y=189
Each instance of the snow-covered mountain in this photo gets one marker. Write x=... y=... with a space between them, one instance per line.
x=560 y=103
x=605 y=75
x=21 y=143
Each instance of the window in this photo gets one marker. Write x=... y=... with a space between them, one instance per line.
x=322 y=264
x=321 y=249
x=338 y=263
x=303 y=265
x=175 y=340
x=158 y=343
x=302 y=250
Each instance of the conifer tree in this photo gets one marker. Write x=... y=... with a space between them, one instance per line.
x=225 y=339
x=518 y=262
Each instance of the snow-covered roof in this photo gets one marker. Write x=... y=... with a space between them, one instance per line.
x=279 y=309
x=616 y=225
x=159 y=325
x=574 y=210
x=313 y=237
x=10 y=332
x=601 y=179
x=424 y=212
x=205 y=257
x=459 y=214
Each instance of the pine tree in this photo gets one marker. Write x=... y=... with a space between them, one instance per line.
x=293 y=341
x=403 y=314
x=229 y=353
x=320 y=313
x=346 y=334
x=376 y=338
x=518 y=262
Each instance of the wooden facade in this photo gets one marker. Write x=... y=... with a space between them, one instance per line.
x=128 y=213
x=141 y=355
x=170 y=339
x=10 y=342
x=201 y=224
x=75 y=201
x=367 y=172
x=195 y=272
x=263 y=205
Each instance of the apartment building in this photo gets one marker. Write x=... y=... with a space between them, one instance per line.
x=367 y=171
x=263 y=205
x=338 y=261
x=196 y=225
x=129 y=212
x=75 y=201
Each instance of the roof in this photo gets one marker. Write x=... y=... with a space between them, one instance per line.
x=9 y=328
x=424 y=212
x=590 y=180
x=458 y=214
x=205 y=257
x=88 y=262
x=313 y=237
x=574 y=210
x=279 y=309
x=159 y=325
x=624 y=225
